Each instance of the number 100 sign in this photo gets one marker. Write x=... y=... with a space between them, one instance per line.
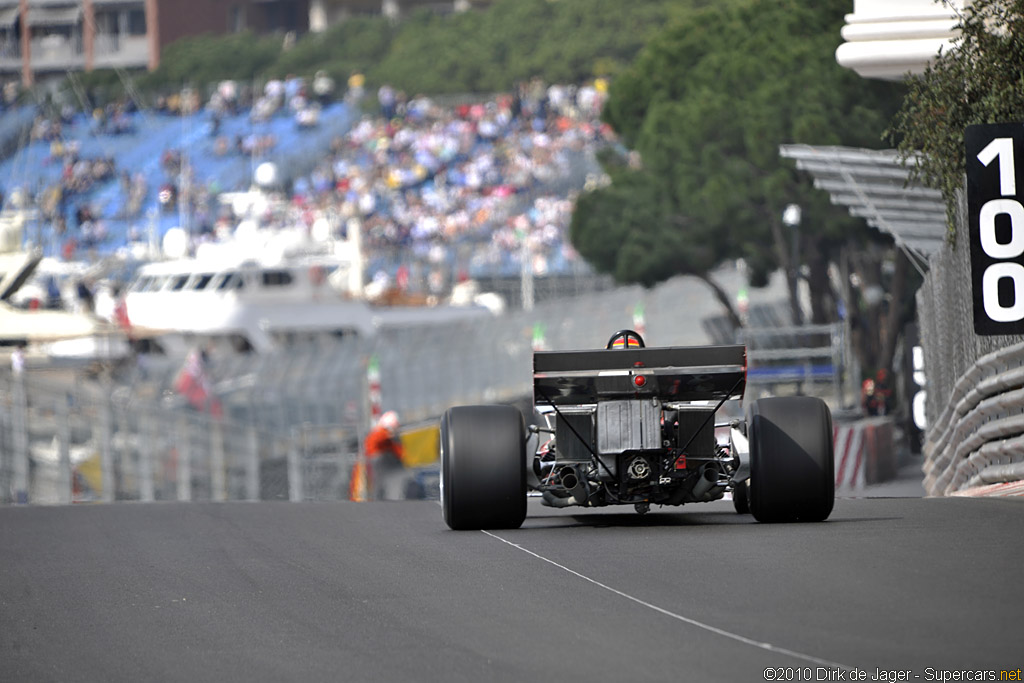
x=996 y=216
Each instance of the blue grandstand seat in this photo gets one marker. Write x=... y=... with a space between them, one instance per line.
x=140 y=151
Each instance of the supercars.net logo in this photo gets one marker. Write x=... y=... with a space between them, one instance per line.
x=822 y=673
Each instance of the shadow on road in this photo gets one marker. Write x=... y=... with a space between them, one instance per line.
x=654 y=519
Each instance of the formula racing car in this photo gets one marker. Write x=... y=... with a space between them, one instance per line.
x=632 y=425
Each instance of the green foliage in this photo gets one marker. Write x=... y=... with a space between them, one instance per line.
x=353 y=45
x=624 y=224
x=981 y=80
x=485 y=50
x=707 y=103
x=203 y=60
x=98 y=87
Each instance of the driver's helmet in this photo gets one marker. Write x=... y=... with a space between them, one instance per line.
x=626 y=342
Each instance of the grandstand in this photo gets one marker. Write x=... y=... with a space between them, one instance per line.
x=139 y=148
x=437 y=196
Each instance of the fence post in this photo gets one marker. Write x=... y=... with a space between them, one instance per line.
x=217 y=479
x=64 y=474
x=20 y=464
x=252 y=467
x=6 y=441
x=184 y=446
x=106 y=449
x=294 y=468
x=147 y=444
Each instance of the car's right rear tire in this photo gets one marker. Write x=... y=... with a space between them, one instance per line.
x=791 y=459
x=483 y=467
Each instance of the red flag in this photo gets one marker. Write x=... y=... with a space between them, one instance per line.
x=121 y=317
x=194 y=384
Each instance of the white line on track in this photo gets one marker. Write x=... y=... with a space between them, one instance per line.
x=679 y=617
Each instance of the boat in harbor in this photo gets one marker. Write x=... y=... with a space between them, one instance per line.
x=50 y=332
x=266 y=289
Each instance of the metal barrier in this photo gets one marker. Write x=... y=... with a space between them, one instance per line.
x=292 y=420
x=134 y=438
x=814 y=358
x=979 y=437
x=975 y=401
x=94 y=442
x=865 y=454
x=83 y=443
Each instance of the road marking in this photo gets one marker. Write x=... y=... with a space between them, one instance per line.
x=679 y=617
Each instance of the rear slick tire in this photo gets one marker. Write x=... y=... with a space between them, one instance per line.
x=741 y=497
x=483 y=467
x=792 y=469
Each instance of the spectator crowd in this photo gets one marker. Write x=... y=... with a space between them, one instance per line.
x=475 y=185
x=478 y=185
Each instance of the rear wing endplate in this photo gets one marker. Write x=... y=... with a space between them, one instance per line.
x=671 y=373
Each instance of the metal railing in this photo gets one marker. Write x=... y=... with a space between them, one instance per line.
x=134 y=429
x=975 y=383
x=292 y=420
x=814 y=358
x=979 y=436
x=78 y=443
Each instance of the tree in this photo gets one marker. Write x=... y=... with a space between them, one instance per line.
x=483 y=51
x=706 y=105
x=356 y=44
x=514 y=40
x=634 y=232
x=206 y=59
x=978 y=81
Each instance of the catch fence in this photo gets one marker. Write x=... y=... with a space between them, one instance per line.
x=975 y=383
x=287 y=425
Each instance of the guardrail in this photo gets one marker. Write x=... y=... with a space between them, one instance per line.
x=136 y=438
x=82 y=443
x=803 y=355
x=865 y=453
x=978 y=438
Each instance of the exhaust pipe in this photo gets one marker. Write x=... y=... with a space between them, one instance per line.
x=707 y=480
x=715 y=493
x=553 y=501
x=577 y=488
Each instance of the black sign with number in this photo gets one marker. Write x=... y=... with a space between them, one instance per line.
x=995 y=188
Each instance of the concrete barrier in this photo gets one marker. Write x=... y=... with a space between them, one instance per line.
x=865 y=453
x=978 y=438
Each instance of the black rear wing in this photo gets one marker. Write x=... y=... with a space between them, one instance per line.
x=671 y=373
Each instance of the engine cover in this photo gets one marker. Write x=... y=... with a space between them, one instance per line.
x=628 y=426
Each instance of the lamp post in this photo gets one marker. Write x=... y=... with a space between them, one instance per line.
x=791 y=217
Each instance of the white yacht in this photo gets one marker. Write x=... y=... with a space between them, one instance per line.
x=270 y=290
x=50 y=333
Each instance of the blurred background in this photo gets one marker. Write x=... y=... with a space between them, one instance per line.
x=235 y=234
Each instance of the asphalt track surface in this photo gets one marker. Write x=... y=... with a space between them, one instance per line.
x=385 y=592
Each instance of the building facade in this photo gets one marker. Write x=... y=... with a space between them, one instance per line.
x=324 y=13
x=887 y=39
x=40 y=37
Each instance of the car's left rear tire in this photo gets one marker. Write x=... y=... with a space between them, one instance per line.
x=483 y=467
x=741 y=497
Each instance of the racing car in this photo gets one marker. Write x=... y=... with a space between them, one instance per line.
x=635 y=425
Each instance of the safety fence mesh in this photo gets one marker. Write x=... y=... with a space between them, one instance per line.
x=952 y=349
x=946 y=319
x=287 y=424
